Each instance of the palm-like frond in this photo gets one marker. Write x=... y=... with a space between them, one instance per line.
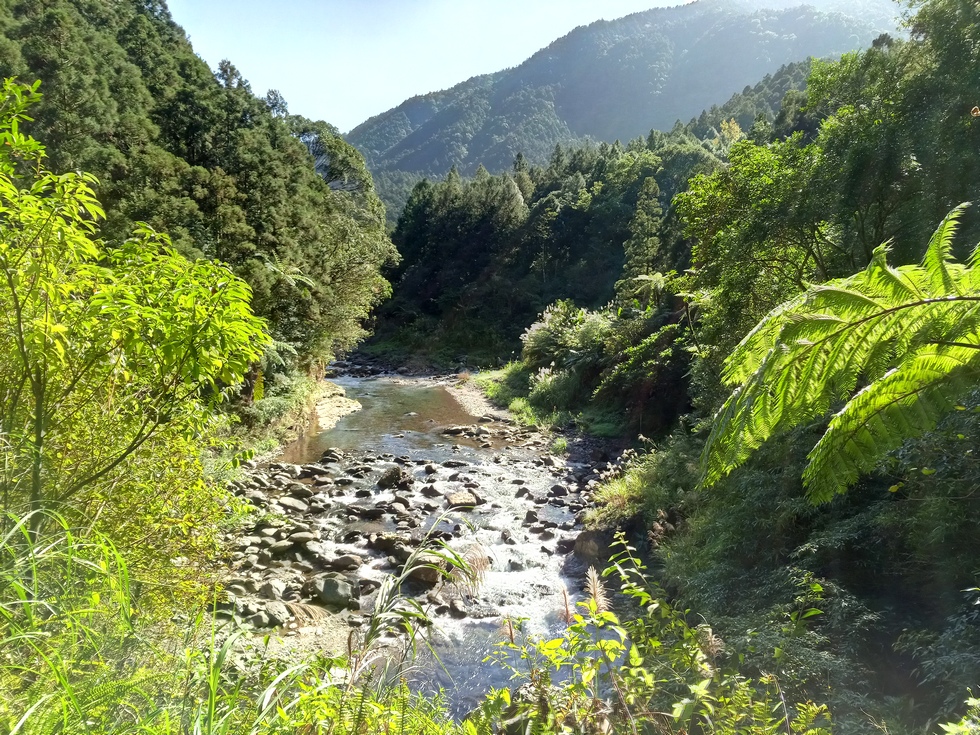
x=896 y=345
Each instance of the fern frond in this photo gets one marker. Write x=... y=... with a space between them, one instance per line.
x=910 y=335
x=938 y=253
x=906 y=402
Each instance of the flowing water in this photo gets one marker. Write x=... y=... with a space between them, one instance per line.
x=403 y=420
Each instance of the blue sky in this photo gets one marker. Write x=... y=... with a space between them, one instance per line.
x=345 y=60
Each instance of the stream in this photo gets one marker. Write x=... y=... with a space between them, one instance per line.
x=489 y=488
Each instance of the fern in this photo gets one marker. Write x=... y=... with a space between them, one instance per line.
x=896 y=347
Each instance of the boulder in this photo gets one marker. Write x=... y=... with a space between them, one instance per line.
x=333 y=592
x=273 y=589
x=278 y=613
x=293 y=504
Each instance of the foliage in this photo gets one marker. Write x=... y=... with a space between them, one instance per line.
x=909 y=335
x=113 y=356
x=229 y=175
x=651 y=673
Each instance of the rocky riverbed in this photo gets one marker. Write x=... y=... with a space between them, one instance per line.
x=333 y=526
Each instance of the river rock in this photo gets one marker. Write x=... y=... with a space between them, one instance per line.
x=296 y=490
x=333 y=592
x=457 y=609
x=454 y=463
x=273 y=589
x=395 y=477
x=462 y=500
x=431 y=491
x=345 y=563
x=281 y=547
x=557 y=491
x=294 y=504
x=278 y=613
x=427 y=570
x=303 y=537
x=531 y=517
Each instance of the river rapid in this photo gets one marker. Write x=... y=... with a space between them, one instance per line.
x=347 y=505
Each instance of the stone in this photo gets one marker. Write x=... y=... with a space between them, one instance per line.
x=463 y=500
x=346 y=563
x=427 y=570
x=557 y=491
x=273 y=589
x=457 y=609
x=394 y=477
x=531 y=517
x=431 y=469
x=281 y=547
x=260 y=620
x=294 y=504
x=278 y=613
x=300 y=491
x=333 y=592
x=454 y=463
x=303 y=537
x=524 y=493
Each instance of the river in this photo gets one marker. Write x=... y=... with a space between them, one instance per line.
x=525 y=524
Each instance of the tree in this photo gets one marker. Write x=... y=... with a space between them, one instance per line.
x=105 y=348
x=899 y=347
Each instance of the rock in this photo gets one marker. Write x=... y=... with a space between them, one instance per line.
x=454 y=463
x=346 y=563
x=457 y=609
x=516 y=565
x=427 y=570
x=455 y=430
x=260 y=620
x=395 y=477
x=524 y=493
x=273 y=589
x=431 y=469
x=333 y=592
x=463 y=500
x=593 y=546
x=281 y=547
x=507 y=537
x=303 y=537
x=431 y=491
x=296 y=490
x=531 y=517
x=565 y=545
x=557 y=491
x=278 y=613
x=294 y=504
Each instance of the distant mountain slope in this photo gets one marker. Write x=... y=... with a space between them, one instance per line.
x=609 y=80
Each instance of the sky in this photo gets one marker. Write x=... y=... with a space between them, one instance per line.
x=345 y=60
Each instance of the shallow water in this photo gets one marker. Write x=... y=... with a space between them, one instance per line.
x=414 y=409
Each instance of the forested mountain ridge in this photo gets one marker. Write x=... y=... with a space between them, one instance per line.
x=611 y=80
x=230 y=176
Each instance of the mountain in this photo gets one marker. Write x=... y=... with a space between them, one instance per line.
x=611 y=80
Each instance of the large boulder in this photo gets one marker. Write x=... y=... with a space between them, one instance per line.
x=333 y=591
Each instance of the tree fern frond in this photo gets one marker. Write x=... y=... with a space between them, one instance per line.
x=906 y=402
x=938 y=252
x=910 y=335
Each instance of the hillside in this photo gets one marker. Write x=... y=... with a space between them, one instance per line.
x=611 y=80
